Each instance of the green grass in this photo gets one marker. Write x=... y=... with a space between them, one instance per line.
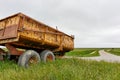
x=115 y=51
x=62 y=69
x=83 y=52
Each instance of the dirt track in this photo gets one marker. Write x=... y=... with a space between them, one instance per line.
x=104 y=56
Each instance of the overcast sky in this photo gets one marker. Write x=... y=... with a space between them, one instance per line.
x=95 y=23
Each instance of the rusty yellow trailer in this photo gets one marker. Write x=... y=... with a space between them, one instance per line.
x=21 y=31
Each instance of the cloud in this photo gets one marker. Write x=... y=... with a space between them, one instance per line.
x=93 y=22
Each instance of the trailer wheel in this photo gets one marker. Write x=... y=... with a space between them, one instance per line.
x=28 y=58
x=47 y=56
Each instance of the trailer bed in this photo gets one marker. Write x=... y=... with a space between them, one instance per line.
x=24 y=32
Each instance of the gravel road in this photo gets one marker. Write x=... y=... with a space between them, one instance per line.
x=104 y=56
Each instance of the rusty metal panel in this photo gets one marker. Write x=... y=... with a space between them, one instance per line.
x=45 y=35
x=9 y=32
x=33 y=34
x=11 y=40
x=8 y=28
x=1 y=32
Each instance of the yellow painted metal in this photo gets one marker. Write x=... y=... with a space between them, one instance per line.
x=34 y=34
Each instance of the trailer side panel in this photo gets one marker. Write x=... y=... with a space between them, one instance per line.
x=23 y=31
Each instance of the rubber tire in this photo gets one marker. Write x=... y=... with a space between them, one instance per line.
x=24 y=58
x=44 y=55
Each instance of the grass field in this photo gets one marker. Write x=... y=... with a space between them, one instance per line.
x=61 y=69
x=115 y=51
x=83 y=52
